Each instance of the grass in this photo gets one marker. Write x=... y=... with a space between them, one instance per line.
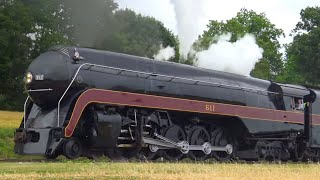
x=91 y=170
x=8 y=122
x=86 y=169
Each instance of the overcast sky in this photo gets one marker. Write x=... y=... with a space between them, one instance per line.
x=283 y=13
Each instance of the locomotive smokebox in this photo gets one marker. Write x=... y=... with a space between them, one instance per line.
x=43 y=71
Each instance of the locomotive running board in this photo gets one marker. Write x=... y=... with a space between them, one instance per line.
x=183 y=146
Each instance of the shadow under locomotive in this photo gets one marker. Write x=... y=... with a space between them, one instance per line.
x=96 y=102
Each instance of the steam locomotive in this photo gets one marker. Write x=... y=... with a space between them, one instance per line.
x=86 y=102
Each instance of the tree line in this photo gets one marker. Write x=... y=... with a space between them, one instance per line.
x=29 y=27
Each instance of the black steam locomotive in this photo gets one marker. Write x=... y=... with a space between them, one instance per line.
x=85 y=102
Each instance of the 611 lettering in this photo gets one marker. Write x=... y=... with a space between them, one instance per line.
x=210 y=107
x=39 y=77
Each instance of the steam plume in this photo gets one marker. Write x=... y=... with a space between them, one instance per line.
x=238 y=57
x=165 y=54
x=188 y=16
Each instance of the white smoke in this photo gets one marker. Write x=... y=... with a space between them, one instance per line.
x=165 y=54
x=239 y=57
x=189 y=13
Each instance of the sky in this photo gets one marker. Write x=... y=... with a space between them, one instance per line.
x=283 y=13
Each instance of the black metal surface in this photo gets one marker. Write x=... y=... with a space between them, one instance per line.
x=56 y=74
x=307 y=122
x=58 y=68
x=107 y=127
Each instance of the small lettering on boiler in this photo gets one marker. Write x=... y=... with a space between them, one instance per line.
x=210 y=107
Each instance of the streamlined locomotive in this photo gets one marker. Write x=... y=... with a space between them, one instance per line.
x=85 y=102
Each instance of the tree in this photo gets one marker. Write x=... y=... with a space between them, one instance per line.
x=266 y=36
x=137 y=35
x=15 y=24
x=30 y=27
x=51 y=22
x=27 y=28
x=303 y=54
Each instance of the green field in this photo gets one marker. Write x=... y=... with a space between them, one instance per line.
x=8 y=122
x=86 y=169
x=91 y=170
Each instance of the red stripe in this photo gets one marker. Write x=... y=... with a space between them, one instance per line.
x=159 y=102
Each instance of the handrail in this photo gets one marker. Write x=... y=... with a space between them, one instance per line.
x=67 y=91
x=25 y=112
x=180 y=78
x=196 y=82
x=38 y=90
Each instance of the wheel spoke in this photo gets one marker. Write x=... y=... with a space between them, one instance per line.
x=176 y=134
x=198 y=136
x=221 y=137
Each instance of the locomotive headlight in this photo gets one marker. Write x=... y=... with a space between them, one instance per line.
x=28 y=78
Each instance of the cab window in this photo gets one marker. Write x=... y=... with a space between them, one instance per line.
x=294 y=103
x=297 y=104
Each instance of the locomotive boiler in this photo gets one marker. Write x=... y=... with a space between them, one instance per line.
x=86 y=102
